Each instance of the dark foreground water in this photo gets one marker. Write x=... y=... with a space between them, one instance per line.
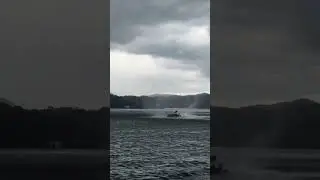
x=155 y=147
x=268 y=164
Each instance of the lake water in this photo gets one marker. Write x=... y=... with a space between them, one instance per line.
x=267 y=164
x=145 y=144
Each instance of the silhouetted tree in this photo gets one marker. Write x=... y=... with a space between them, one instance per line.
x=71 y=127
x=283 y=125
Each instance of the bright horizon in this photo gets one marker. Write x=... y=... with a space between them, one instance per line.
x=175 y=94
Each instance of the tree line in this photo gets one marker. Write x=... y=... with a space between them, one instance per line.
x=70 y=127
x=283 y=125
x=201 y=101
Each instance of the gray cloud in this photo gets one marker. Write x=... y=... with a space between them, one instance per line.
x=139 y=27
x=127 y=16
x=54 y=53
x=264 y=51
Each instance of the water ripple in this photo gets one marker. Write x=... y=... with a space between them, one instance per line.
x=157 y=150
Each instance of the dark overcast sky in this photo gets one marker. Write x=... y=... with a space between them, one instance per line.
x=168 y=41
x=54 y=52
x=264 y=51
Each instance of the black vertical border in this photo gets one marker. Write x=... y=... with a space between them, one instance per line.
x=107 y=74
x=212 y=60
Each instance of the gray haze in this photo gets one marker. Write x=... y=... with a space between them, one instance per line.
x=54 y=52
x=264 y=51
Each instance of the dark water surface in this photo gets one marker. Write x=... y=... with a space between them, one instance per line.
x=160 y=148
x=269 y=164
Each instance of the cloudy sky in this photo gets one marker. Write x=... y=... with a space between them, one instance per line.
x=54 y=52
x=159 y=46
x=264 y=51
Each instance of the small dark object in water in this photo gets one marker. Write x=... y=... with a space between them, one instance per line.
x=217 y=170
x=213 y=158
x=175 y=114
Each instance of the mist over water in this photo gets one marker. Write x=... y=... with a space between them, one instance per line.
x=147 y=145
x=161 y=114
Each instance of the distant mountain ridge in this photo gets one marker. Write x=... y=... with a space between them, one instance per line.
x=201 y=101
x=171 y=95
x=160 y=95
x=5 y=101
x=294 y=124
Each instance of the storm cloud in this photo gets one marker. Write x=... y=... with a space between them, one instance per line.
x=176 y=31
x=264 y=51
